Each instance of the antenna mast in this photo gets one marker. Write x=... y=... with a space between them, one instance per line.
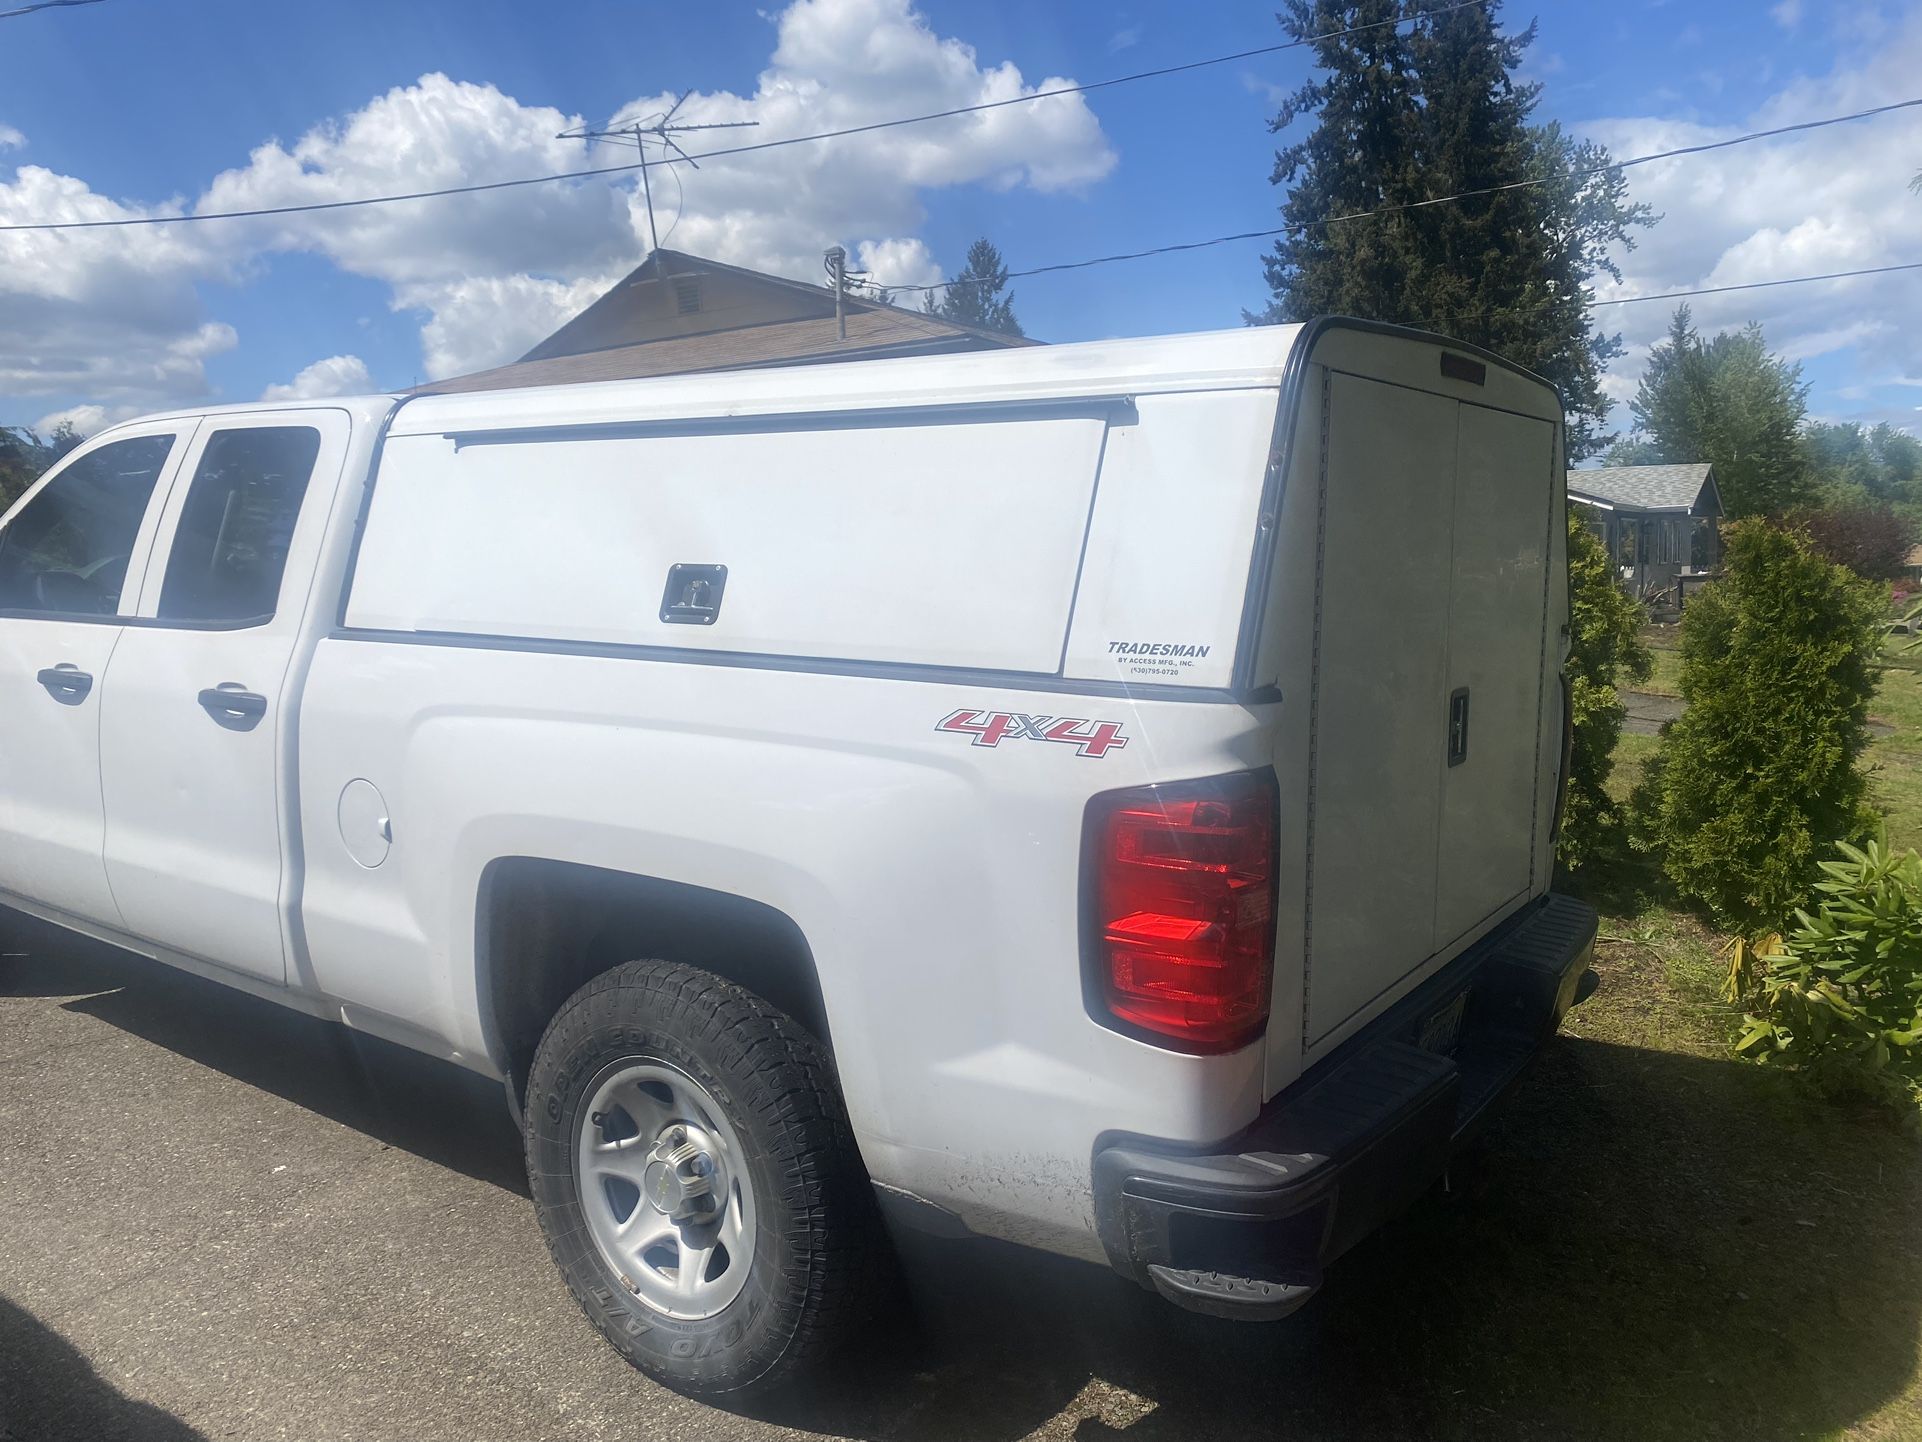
x=660 y=129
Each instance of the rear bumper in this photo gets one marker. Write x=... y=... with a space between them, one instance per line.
x=1246 y=1229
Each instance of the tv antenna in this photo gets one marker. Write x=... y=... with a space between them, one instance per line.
x=660 y=129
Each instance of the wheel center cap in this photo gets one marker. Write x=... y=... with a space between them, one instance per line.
x=679 y=1175
x=663 y=1188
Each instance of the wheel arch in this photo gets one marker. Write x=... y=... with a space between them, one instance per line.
x=544 y=928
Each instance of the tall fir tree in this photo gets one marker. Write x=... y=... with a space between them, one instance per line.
x=1356 y=158
x=975 y=296
x=1404 y=115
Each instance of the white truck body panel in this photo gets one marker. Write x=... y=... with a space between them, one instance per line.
x=1244 y=550
x=933 y=551
x=52 y=815
x=194 y=820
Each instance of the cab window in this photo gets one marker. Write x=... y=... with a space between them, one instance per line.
x=66 y=552
x=231 y=545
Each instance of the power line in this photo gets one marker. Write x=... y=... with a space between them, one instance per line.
x=43 y=5
x=1458 y=315
x=644 y=164
x=1434 y=200
x=1760 y=284
x=1634 y=160
x=1438 y=321
x=1170 y=249
x=1745 y=138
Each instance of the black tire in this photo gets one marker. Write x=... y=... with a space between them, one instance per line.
x=819 y=1244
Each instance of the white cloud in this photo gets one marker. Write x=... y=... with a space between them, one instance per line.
x=11 y=139
x=116 y=316
x=1824 y=200
x=1125 y=39
x=337 y=375
x=898 y=262
x=1267 y=89
x=497 y=271
x=842 y=63
x=1787 y=13
x=111 y=315
x=85 y=420
x=434 y=133
x=474 y=322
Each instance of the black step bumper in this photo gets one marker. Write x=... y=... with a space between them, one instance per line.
x=1246 y=1229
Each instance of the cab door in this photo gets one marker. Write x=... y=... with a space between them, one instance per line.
x=196 y=744
x=71 y=556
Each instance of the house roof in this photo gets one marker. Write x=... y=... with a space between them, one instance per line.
x=677 y=313
x=888 y=332
x=1687 y=488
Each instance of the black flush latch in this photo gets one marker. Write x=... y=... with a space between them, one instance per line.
x=693 y=595
x=1458 y=727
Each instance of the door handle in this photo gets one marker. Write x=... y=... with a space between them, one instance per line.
x=66 y=683
x=1458 y=727
x=233 y=706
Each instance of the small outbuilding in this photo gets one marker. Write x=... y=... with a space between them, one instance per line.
x=1660 y=523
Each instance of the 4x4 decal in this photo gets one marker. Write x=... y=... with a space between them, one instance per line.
x=991 y=728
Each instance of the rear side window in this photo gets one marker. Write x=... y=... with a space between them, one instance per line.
x=66 y=553
x=231 y=546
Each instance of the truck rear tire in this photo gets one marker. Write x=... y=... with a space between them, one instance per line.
x=696 y=1179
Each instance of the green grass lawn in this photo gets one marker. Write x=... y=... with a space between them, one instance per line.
x=1755 y=1268
x=1894 y=762
x=1662 y=644
x=1752 y=1264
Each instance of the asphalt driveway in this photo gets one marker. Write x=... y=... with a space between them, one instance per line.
x=226 y=1221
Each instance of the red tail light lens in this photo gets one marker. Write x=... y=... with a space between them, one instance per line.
x=1182 y=891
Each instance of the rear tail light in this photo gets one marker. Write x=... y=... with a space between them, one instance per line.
x=1181 y=898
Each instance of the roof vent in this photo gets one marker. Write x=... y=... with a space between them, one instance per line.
x=687 y=294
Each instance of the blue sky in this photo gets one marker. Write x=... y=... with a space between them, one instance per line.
x=137 y=106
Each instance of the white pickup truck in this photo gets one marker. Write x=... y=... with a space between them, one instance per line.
x=1097 y=796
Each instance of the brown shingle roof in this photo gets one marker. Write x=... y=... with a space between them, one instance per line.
x=884 y=331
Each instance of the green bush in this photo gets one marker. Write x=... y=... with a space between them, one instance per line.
x=1840 y=996
x=1605 y=647
x=1758 y=775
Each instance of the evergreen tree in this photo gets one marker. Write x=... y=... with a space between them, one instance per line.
x=1757 y=778
x=1358 y=157
x=1605 y=649
x=24 y=456
x=1851 y=463
x=1404 y=117
x=974 y=297
x=1730 y=402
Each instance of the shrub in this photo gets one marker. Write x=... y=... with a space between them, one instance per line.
x=1840 y=995
x=1778 y=662
x=1605 y=646
x=1871 y=538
